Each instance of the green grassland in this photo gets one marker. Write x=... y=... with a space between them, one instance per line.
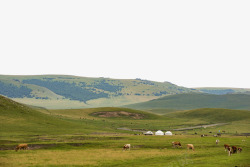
x=189 y=101
x=89 y=137
x=106 y=150
x=214 y=115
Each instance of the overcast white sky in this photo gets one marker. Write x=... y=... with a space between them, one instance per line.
x=191 y=43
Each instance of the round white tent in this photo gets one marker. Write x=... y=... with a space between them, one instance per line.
x=148 y=133
x=168 y=133
x=159 y=132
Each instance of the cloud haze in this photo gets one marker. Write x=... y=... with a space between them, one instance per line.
x=189 y=43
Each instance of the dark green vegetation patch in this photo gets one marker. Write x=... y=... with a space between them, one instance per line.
x=13 y=91
x=214 y=115
x=189 y=101
x=68 y=90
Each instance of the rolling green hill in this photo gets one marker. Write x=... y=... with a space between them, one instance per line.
x=19 y=119
x=91 y=138
x=189 y=101
x=213 y=115
x=62 y=91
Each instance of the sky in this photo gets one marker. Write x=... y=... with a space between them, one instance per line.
x=190 y=43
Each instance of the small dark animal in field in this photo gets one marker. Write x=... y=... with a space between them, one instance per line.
x=22 y=147
x=176 y=143
x=202 y=135
x=234 y=149
x=239 y=150
x=218 y=134
x=210 y=132
x=226 y=146
x=126 y=147
x=229 y=149
x=190 y=146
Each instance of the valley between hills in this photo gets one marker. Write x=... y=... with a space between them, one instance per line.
x=77 y=121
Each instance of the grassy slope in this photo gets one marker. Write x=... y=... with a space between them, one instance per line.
x=149 y=122
x=190 y=101
x=213 y=115
x=17 y=119
x=72 y=145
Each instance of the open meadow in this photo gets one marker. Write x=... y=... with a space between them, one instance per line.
x=96 y=136
x=106 y=150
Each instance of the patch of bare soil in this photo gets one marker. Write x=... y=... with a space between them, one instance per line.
x=114 y=114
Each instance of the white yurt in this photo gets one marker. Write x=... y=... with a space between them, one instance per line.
x=168 y=133
x=159 y=132
x=148 y=133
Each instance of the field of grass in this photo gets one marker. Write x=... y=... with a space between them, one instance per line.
x=89 y=137
x=106 y=150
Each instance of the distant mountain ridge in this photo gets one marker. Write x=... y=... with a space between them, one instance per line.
x=78 y=92
x=222 y=91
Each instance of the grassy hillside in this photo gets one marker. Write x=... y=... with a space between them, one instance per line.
x=89 y=137
x=19 y=119
x=190 y=101
x=213 y=115
x=83 y=92
x=16 y=118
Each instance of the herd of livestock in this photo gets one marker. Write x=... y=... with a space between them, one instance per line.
x=231 y=150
